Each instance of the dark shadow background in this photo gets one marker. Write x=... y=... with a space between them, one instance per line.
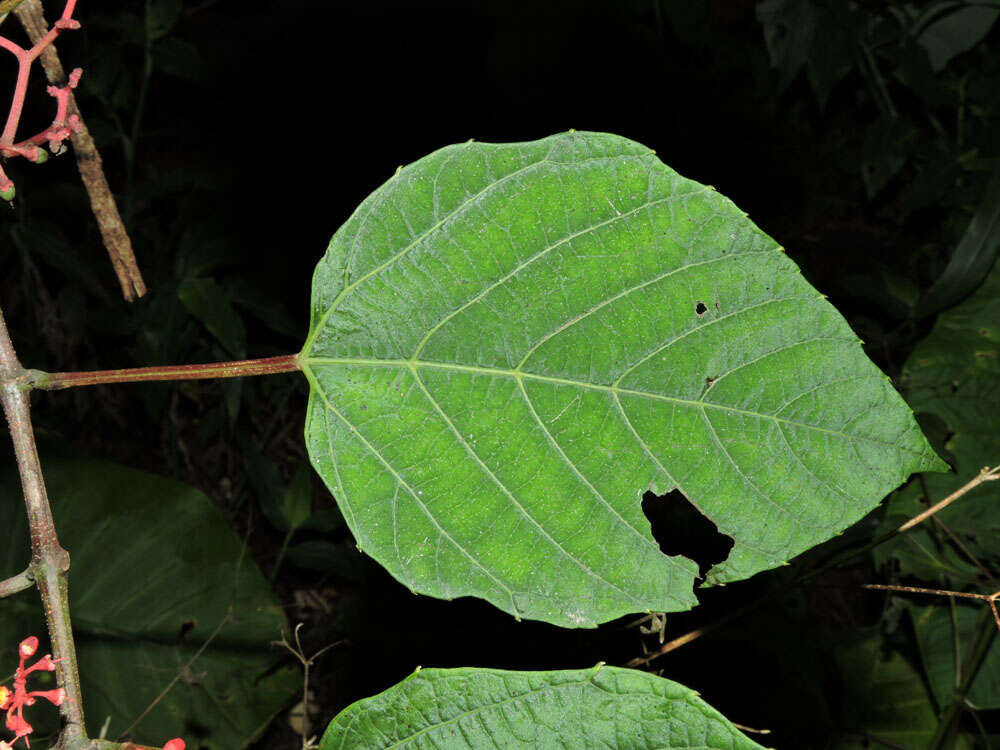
x=264 y=124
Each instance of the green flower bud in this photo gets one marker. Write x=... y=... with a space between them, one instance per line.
x=7 y=195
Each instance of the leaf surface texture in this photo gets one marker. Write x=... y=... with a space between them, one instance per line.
x=510 y=343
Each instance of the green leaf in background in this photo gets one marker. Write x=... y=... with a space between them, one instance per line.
x=789 y=31
x=143 y=603
x=954 y=374
x=801 y=33
x=944 y=630
x=886 y=149
x=948 y=29
x=210 y=303
x=973 y=257
x=297 y=503
x=161 y=16
x=510 y=343
x=490 y=708
x=886 y=698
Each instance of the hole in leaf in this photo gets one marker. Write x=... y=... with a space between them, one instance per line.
x=681 y=529
x=700 y=309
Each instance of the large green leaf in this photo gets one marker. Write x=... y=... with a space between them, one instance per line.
x=155 y=570
x=511 y=343
x=490 y=708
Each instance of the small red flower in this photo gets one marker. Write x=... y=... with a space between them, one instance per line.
x=174 y=744
x=14 y=701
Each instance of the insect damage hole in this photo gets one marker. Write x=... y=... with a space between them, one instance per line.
x=700 y=309
x=681 y=529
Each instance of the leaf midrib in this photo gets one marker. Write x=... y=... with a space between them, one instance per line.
x=308 y=364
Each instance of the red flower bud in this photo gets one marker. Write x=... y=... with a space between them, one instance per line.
x=28 y=647
x=175 y=744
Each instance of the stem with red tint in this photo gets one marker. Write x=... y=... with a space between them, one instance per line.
x=267 y=366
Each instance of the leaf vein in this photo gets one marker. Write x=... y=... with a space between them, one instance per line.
x=513 y=499
x=416 y=498
x=573 y=467
x=534 y=257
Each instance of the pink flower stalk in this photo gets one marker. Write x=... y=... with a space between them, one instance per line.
x=14 y=701
x=62 y=127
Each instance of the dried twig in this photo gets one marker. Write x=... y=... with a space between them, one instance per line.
x=990 y=599
x=88 y=160
x=308 y=743
x=985 y=475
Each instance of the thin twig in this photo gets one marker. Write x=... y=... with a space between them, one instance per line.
x=967 y=552
x=306 y=663
x=180 y=672
x=751 y=730
x=691 y=635
x=985 y=475
x=990 y=599
x=88 y=160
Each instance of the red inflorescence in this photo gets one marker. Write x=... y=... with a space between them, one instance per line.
x=14 y=701
x=62 y=126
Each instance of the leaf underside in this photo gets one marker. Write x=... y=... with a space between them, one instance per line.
x=490 y=708
x=510 y=343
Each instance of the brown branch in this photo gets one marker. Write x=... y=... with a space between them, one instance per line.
x=990 y=599
x=6 y=6
x=88 y=160
x=23 y=580
x=985 y=475
x=49 y=561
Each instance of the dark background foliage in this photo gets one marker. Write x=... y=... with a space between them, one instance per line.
x=239 y=135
